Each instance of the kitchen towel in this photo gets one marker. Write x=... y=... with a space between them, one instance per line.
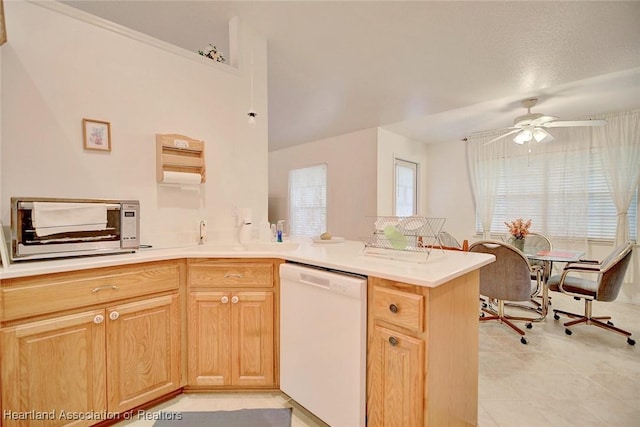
x=52 y=218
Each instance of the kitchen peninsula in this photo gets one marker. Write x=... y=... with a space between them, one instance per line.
x=422 y=351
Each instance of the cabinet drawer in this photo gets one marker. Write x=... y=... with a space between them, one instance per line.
x=231 y=274
x=41 y=295
x=398 y=307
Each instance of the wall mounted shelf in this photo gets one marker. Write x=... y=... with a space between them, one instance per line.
x=179 y=159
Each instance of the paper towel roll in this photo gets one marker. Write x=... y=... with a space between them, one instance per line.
x=182 y=178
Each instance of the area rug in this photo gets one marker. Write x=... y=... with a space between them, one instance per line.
x=272 y=417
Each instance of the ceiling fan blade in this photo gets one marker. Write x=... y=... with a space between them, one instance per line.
x=542 y=120
x=502 y=136
x=573 y=123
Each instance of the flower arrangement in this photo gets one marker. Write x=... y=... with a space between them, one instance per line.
x=518 y=228
x=212 y=52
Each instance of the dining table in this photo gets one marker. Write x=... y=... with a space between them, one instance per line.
x=548 y=257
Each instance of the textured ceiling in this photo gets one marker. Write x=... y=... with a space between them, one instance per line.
x=434 y=71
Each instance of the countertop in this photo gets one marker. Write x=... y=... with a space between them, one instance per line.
x=349 y=256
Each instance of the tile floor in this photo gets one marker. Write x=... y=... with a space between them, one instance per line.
x=591 y=378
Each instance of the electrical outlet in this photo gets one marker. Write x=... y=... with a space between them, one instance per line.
x=202 y=232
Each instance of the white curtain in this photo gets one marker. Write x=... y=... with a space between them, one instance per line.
x=530 y=181
x=484 y=162
x=619 y=143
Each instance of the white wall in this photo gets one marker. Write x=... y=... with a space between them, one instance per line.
x=448 y=189
x=390 y=147
x=351 y=180
x=57 y=70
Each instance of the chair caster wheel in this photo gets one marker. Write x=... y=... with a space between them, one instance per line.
x=523 y=340
x=529 y=325
x=631 y=341
x=555 y=316
x=481 y=314
x=610 y=323
x=568 y=331
x=484 y=305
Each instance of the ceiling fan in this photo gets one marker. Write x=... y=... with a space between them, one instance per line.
x=531 y=126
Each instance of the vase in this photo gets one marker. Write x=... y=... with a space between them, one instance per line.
x=519 y=243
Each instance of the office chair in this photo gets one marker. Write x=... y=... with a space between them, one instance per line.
x=534 y=243
x=609 y=275
x=506 y=279
x=447 y=241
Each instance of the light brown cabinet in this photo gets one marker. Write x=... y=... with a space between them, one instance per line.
x=95 y=361
x=422 y=358
x=396 y=365
x=143 y=351
x=231 y=339
x=52 y=366
x=232 y=324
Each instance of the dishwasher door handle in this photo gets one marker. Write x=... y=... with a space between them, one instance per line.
x=313 y=280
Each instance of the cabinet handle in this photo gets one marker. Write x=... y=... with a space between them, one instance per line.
x=98 y=319
x=235 y=299
x=224 y=299
x=393 y=341
x=393 y=308
x=100 y=288
x=235 y=275
x=114 y=315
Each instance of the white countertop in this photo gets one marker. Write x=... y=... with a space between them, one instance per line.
x=414 y=268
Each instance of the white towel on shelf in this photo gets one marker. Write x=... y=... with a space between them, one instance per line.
x=52 y=218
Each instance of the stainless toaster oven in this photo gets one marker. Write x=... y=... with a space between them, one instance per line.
x=51 y=228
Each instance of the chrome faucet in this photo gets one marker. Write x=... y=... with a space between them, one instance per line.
x=241 y=223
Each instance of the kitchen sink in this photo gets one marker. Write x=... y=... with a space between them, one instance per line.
x=271 y=246
x=253 y=246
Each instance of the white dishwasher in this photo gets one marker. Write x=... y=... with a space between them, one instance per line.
x=323 y=342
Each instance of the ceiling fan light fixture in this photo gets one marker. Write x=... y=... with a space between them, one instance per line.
x=541 y=135
x=531 y=126
x=525 y=135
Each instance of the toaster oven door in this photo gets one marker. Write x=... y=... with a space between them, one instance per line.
x=31 y=240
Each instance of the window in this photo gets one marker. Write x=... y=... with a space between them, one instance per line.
x=308 y=201
x=406 y=188
x=554 y=190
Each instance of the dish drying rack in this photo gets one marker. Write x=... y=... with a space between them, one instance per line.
x=393 y=236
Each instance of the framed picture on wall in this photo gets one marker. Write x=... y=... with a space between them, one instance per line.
x=96 y=135
x=3 y=28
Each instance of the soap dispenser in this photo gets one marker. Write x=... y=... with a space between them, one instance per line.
x=279 y=230
x=265 y=231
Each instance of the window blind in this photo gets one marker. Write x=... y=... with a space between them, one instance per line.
x=406 y=188
x=551 y=189
x=308 y=201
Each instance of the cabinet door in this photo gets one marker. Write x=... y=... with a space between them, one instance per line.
x=55 y=368
x=209 y=338
x=143 y=351
x=252 y=326
x=396 y=379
